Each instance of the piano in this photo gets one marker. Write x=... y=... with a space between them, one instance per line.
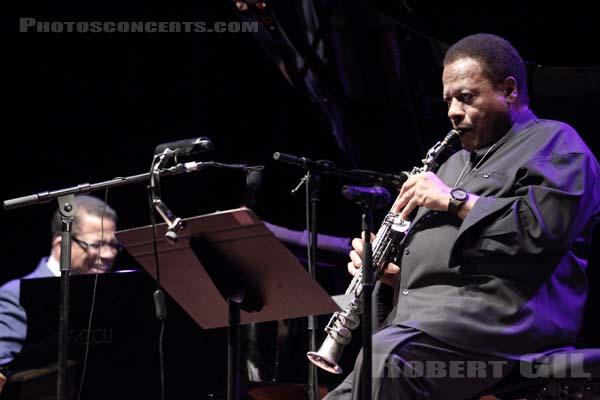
x=122 y=356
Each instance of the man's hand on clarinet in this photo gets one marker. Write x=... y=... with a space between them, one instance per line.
x=427 y=190
x=422 y=190
x=356 y=264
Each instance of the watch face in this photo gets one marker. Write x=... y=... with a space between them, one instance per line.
x=459 y=194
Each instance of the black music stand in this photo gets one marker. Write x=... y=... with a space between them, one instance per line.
x=228 y=269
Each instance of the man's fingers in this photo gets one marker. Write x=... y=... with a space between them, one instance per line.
x=356 y=263
x=357 y=245
x=392 y=269
x=356 y=259
x=407 y=185
x=408 y=209
x=352 y=269
x=403 y=200
x=2 y=381
x=362 y=235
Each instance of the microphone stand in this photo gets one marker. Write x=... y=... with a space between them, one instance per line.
x=313 y=182
x=68 y=210
x=367 y=303
x=369 y=199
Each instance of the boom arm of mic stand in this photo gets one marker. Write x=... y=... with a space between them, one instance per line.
x=83 y=188
x=327 y=167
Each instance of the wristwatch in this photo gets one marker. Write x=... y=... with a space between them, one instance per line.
x=458 y=197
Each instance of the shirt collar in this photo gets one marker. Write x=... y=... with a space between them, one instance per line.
x=525 y=118
x=53 y=265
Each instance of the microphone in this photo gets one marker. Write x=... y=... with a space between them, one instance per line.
x=184 y=147
x=253 y=181
x=375 y=197
x=383 y=179
x=174 y=224
x=303 y=162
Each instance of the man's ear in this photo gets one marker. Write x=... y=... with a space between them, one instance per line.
x=55 y=250
x=56 y=240
x=511 y=90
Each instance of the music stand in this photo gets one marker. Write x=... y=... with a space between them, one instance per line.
x=228 y=269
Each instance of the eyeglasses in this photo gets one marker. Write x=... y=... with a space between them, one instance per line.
x=115 y=246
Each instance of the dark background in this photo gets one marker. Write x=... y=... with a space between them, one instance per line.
x=89 y=107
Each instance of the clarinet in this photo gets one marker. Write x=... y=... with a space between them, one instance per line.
x=384 y=250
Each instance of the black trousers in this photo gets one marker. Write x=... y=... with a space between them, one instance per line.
x=409 y=364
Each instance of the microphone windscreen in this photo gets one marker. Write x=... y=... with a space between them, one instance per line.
x=185 y=147
x=253 y=179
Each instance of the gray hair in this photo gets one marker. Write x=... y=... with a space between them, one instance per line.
x=86 y=205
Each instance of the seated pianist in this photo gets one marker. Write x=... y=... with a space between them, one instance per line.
x=94 y=250
x=124 y=325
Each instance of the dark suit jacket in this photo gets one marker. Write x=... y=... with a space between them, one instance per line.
x=13 y=320
x=510 y=279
